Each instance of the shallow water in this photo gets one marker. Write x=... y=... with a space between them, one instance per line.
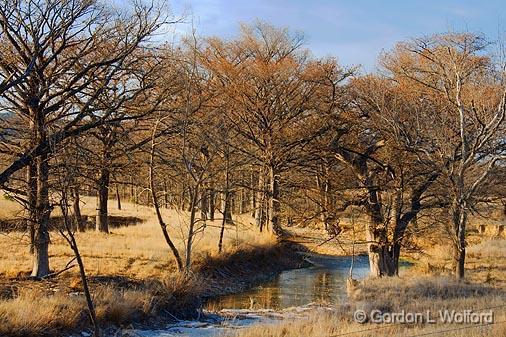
x=323 y=283
x=288 y=296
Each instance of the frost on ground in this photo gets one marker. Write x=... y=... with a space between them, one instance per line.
x=227 y=320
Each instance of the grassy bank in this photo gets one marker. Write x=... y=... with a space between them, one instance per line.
x=392 y=296
x=133 y=279
x=135 y=251
x=36 y=308
x=132 y=274
x=420 y=289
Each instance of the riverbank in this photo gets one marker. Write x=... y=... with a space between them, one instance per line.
x=132 y=274
x=426 y=289
x=427 y=297
x=134 y=281
x=57 y=305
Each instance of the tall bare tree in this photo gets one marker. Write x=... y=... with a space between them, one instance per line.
x=462 y=105
x=270 y=90
x=74 y=50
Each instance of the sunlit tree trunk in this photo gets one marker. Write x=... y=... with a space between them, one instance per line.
x=274 y=202
x=43 y=211
x=78 y=219
x=378 y=248
x=102 y=219
x=31 y=178
x=459 y=219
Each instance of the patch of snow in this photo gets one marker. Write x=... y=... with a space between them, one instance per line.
x=228 y=320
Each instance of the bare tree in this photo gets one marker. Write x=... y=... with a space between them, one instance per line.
x=74 y=50
x=270 y=90
x=462 y=102
x=154 y=196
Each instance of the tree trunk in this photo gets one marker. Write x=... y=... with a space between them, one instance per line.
x=260 y=209
x=381 y=261
x=118 y=197
x=78 y=219
x=133 y=196
x=322 y=186
x=252 y=193
x=31 y=178
x=82 y=272
x=226 y=217
x=227 y=207
x=459 y=250
x=86 y=289
x=102 y=221
x=212 y=203
x=395 y=256
x=274 y=204
x=154 y=197
x=326 y=202
x=42 y=207
x=189 y=242
x=459 y=256
x=43 y=211
x=191 y=205
x=162 y=224
x=166 y=200
x=204 y=204
x=241 y=201
x=383 y=255
x=182 y=200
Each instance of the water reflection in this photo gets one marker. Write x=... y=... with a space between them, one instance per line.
x=324 y=283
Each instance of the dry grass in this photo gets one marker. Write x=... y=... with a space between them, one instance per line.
x=135 y=251
x=122 y=263
x=415 y=295
x=325 y=324
x=8 y=207
x=37 y=308
x=488 y=249
x=485 y=260
x=417 y=290
x=131 y=271
x=34 y=313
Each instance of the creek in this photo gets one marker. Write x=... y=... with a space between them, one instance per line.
x=290 y=295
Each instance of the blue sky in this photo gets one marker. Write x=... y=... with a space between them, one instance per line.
x=353 y=31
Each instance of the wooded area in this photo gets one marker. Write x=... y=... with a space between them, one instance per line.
x=92 y=105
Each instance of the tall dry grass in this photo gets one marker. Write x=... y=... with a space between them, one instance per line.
x=131 y=271
x=485 y=260
x=417 y=290
x=138 y=254
x=416 y=295
x=52 y=307
x=135 y=251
